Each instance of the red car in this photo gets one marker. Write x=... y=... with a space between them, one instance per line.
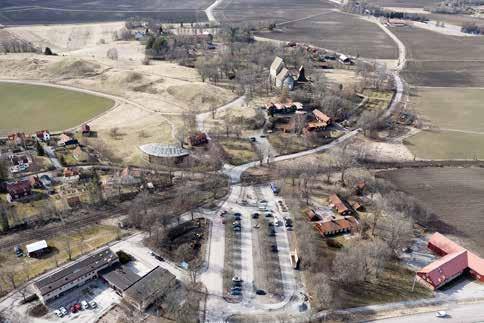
x=73 y=309
x=77 y=306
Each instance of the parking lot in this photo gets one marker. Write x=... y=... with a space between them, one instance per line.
x=95 y=290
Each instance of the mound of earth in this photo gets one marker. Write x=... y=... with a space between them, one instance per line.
x=202 y=95
x=70 y=68
x=22 y=68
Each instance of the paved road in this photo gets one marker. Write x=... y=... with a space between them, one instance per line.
x=51 y=154
x=459 y=313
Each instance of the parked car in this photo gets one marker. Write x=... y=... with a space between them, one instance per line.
x=58 y=313
x=236 y=292
x=260 y=292
x=253 y=139
x=272 y=232
x=255 y=215
x=211 y=46
x=63 y=310
x=268 y=215
x=84 y=305
x=237 y=229
x=274 y=248
x=239 y=288
x=77 y=306
x=92 y=304
x=73 y=309
x=442 y=314
x=18 y=251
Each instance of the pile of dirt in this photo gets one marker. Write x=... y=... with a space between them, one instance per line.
x=201 y=95
x=26 y=67
x=72 y=68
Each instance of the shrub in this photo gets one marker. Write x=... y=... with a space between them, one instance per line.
x=124 y=258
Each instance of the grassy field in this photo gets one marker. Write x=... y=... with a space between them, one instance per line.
x=446 y=145
x=238 y=151
x=454 y=195
x=31 y=107
x=81 y=242
x=451 y=108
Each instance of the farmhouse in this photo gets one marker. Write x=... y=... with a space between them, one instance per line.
x=341 y=206
x=75 y=274
x=337 y=225
x=149 y=288
x=18 y=190
x=455 y=261
x=285 y=80
x=37 y=249
x=169 y=155
x=281 y=77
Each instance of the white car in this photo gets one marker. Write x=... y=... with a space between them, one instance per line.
x=58 y=313
x=92 y=304
x=441 y=314
x=63 y=311
x=84 y=305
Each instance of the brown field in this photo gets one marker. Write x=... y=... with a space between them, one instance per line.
x=340 y=32
x=454 y=195
x=440 y=60
x=427 y=45
x=445 y=73
x=405 y=3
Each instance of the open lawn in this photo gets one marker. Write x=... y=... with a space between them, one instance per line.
x=445 y=73
x=454 y=195
x=446 y=145
x=80 y=241
x=30 y=107
x=238 y=151
x=460 y=109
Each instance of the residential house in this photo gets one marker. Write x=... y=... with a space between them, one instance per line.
x=455 y=261
x=43 y=135
x=341 y=205
x=321 y=117
x=312 y=216
x=281 y=108
x=343 y=59
x=18 y=190
x=285 y=79
x=70 y=174
x=198 y=139
x=17 y=138
x=276 y=67
x=86 y=130
x=20 y=159
x=66 y=140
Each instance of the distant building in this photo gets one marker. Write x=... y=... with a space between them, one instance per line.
x=148 y=289
x=86 y=130
x=198 y=139
x=455 y=261
x=119 y=278
x=18 y=190
x=285 y=80
x=43 y=135
x=75 y=274
x=17 y=138
x=337 y=225
x=66 y=140
x=276 y=66
x=169 y=155
x=281 y=77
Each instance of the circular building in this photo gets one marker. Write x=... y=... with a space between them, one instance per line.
x=169 y=155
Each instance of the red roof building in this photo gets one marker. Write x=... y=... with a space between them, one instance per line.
x=455 y=261
x=18 y=190
x=341 y=206
x=338 y=226
x=198 y=139
x=86 y=130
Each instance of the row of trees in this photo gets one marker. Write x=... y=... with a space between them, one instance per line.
x=365 y=8
x=472 y=28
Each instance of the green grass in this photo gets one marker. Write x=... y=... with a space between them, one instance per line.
x=451 y=108
x=31 y=107
x=446 y=145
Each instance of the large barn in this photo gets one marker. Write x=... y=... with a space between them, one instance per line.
x=455 y=261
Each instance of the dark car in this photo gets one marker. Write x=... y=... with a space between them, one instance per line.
x=252 y=139
x=18 y=251
x=268 y=215
x=274 y=248
x=272 y=232
x=236 y=292
x=255 y=216
x=260 y=292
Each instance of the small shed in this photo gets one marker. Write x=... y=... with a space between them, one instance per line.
x=37 y=248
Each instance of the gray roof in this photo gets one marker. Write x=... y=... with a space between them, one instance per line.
x=121 y=277
x=155 y=282
x=283 y=75
x=160 y=150
x=77 y=269
x=276 y=65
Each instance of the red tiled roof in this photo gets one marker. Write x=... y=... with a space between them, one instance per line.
x=443 y=243
x=19 y=187
x=338 y=203
x=334 y=226
x=456 y=259
x=321 y=116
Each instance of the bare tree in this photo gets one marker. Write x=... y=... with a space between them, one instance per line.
x=68 y=246
x=344 y=160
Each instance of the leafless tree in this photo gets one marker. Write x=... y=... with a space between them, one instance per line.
x=112 y=53
x=68 y=246
x=344 y=160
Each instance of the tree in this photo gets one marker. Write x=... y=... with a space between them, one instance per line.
x=40 y=149
x=68 y=247
x=3 y=170
x=112 y=53
x=344 y=160
x=5 y=226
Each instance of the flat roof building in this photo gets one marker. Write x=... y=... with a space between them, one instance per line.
x=148 y=289
x=169 y=155
x=37 y=248
x=75 y=274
